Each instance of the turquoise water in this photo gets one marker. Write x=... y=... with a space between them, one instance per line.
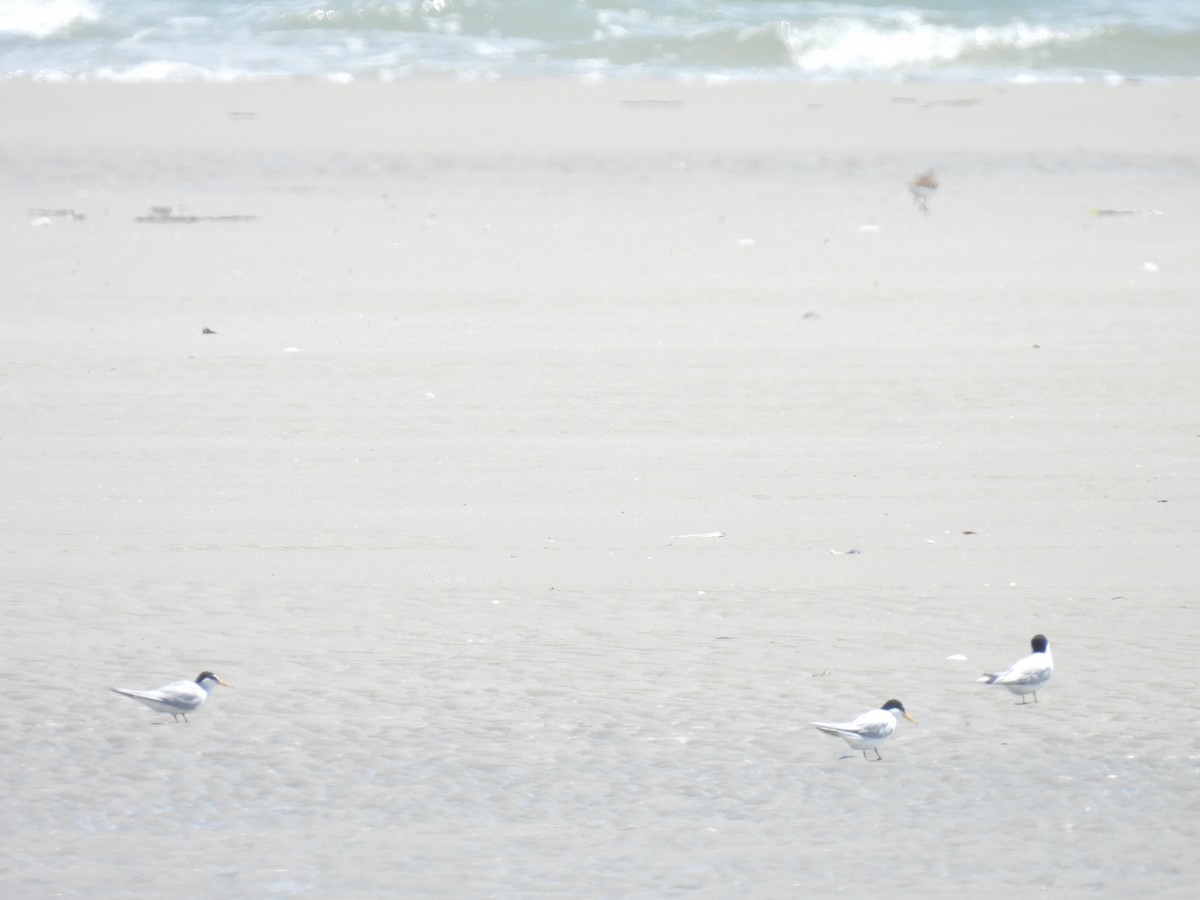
x=342 y=40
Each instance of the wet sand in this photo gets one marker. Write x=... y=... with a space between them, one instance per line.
x=515 y=487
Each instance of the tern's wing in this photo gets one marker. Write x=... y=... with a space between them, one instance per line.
x=1005 y=676
x=182 y=695
x=874 y=724
x=1030 y=670
x=868 y=725
x=137 y=695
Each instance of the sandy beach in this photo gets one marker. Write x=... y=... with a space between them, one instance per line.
x=538 y=459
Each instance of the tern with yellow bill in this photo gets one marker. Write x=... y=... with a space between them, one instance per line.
x=179 y=698
x=870 y=729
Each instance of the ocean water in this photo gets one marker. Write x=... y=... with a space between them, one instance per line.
x=343 y=40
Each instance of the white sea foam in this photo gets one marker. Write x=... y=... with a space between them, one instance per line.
x=675 y=39
x=43 y=18
x=846 y=45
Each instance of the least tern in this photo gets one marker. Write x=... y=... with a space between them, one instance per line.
x=870 y=729
x=1028 y=674
x=177 y=699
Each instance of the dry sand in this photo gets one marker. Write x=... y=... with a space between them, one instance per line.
x=489 y=364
